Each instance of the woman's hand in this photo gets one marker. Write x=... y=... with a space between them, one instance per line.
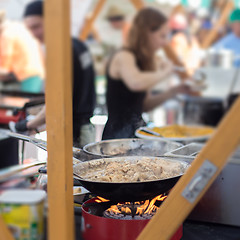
x=180 y=89
x=153 y=100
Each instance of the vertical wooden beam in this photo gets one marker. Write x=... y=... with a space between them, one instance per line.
x=4 y=232
x=178 y=9
x=59 y=119
x=90 y=20
x=209 y=39
x=138 y=4
x=176 y=208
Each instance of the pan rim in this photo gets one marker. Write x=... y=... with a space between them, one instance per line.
x=85 y=148
x=187 y=165
x=148 y=181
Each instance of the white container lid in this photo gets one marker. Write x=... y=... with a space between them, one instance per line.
x=22 y=196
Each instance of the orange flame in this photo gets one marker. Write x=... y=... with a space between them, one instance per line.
x=147 y=207
x=100 y=199
x=114 y=209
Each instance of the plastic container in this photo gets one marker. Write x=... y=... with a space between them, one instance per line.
x=23 y=211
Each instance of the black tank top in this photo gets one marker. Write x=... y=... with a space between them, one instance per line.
x=125 y=109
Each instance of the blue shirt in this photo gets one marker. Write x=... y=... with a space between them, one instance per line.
x=230 y=42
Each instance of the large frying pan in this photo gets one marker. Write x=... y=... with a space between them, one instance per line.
x=130 y=191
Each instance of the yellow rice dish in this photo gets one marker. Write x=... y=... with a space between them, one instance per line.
x=180 y=131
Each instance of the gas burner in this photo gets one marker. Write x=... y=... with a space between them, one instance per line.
x=97 y=225
x=135 y=210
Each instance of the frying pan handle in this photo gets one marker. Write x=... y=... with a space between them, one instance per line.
x=195 y=183
x=76 y=176
x=37 y=142
x=23 y=137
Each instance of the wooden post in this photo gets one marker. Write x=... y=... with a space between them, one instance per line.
x=4 y=232
x=138 y=4
x=90 y=20
x=59 y=119
x=177 y=207
x=178 y=9
x=208 y=40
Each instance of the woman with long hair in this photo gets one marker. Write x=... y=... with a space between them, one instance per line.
x=133 y=71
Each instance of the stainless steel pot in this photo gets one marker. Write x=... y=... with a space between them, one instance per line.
x=130 y=147
x=202 y=110
x=220 y=58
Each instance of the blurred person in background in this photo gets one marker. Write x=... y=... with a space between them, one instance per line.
x=133 y=71
x=117 y=19
x=83 y=82
x=232 y=40
x=183 y=43
x=20 y=54
x=204 y=30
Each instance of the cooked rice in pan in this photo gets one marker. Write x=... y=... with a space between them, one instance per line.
x=144 y=169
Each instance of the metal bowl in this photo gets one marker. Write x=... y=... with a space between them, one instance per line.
x=130 y=147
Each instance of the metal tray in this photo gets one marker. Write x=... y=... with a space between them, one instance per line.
x=188 y=151
x=191 y=150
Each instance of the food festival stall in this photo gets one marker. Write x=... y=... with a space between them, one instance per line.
x=184 y=196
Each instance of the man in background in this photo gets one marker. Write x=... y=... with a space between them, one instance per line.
x=20 y=54
x=83 y=81
x=232 y=40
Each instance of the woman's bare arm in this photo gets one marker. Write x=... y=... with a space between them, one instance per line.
x=124 y=66
x=153 y=100
x=39 y=120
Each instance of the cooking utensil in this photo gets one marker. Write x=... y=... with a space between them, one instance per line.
x=37 y=142
x=221 y=58
x=130 y=191
x=9 y=172
x=188 y=151
x=184 y=139
x=130 y=147
x=151 y=132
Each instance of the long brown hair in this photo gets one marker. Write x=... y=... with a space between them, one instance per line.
x=147 y=20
